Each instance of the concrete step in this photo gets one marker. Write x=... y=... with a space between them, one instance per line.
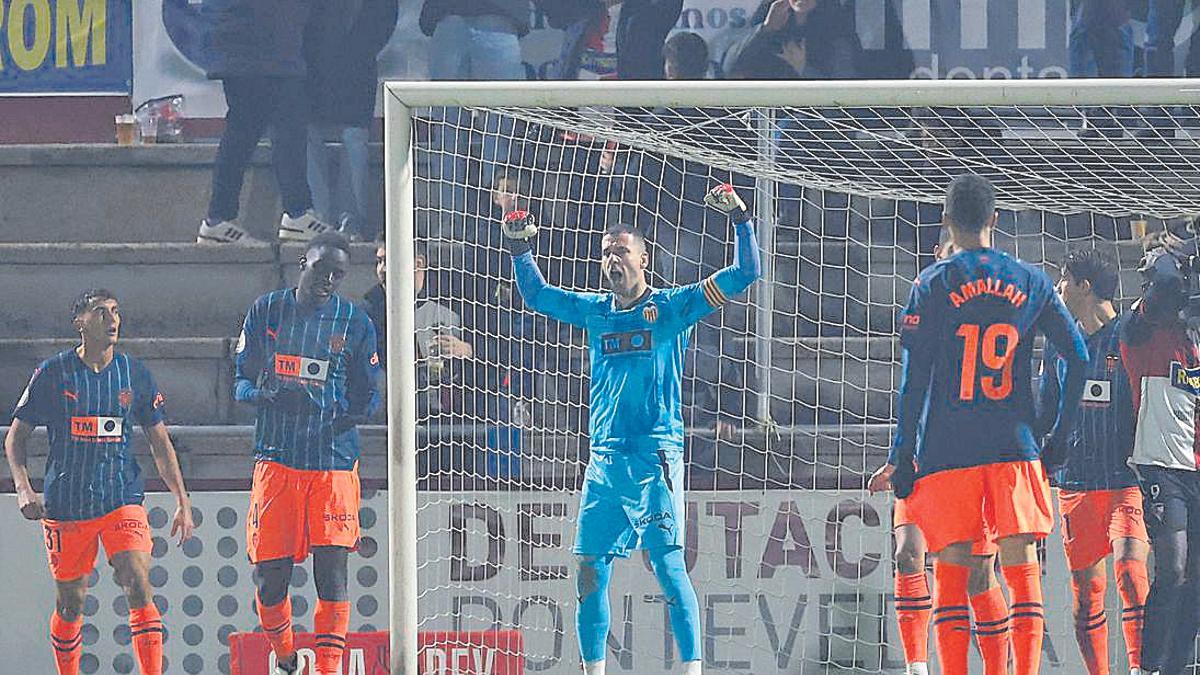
x=166 y=290
x=456 y=457
x=194 y=374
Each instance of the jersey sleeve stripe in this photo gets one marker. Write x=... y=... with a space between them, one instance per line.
x=713 y=293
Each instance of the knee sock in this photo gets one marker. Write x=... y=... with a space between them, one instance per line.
x=682 y=606
x=591 y=612
x=67 y=639
x=991 y=629
x=913 y=608
x=146 y=631
x=331 y=621
x=951 y=617
x=1091 y=626
x=1133 y=583
x=1028 y=617
x=277 y=623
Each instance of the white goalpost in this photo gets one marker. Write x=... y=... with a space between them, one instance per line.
x=788 y=391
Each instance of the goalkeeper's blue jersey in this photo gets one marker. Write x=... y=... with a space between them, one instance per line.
x=637 y=353
x=966 y=397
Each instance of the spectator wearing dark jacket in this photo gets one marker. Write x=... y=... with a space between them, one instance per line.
x=581 y=22
x=809 y=39
x=341 y=48
x=641 y=32
x=259 y=58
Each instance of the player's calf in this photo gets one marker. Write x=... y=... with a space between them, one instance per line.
x=145 y=623
x=66 y=625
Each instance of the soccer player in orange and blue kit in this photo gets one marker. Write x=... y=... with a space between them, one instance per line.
x=89 y=398
x=914 y=605
x=1098 y=496
x=966 y=416
x=306 y=360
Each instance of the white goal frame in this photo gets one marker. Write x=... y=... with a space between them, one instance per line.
x=400 y=98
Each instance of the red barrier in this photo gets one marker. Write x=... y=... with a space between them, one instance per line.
x=441 y=653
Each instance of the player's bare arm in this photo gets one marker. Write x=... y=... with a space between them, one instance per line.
x=15 y=449
x=167 y=462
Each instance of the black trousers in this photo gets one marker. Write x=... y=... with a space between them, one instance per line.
x=256 y=103
x=1171 y=499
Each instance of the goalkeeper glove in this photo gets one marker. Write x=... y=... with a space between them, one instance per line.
x=519 y=228
x=725 y=199
x=904 y=478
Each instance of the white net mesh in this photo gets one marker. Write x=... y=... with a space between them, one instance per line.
x=789 y=394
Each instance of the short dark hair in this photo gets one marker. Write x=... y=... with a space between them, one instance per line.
x=970 y=201
x=689 y=53
x=331 y=239
x=1095 y=267
x=85 y=299
x=625 y=228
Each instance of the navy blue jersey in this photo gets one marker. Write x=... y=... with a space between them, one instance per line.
x=328 y=353
x=91 y=470
x=966 y=398
x=1102 y=437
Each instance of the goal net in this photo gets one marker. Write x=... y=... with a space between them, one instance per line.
x=789 y=390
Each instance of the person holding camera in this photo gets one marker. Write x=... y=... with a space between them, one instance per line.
x=1163 y=363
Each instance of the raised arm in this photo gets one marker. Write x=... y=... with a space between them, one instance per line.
x=570 y=307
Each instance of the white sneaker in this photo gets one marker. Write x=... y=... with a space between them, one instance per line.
x=302 y=228
x=225 y=232
x=916 y=669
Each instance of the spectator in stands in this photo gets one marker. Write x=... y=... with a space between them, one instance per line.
x=472 y=40
x=1162 y=22
x=776 y=47
x=341 y=51
x=443 y=356
x=583 y=23
x=685 y=57
x=258 y=56
x=797 y=39
x=1100 y=45
x=641 y=32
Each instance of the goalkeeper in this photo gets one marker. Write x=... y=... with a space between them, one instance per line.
x=633 y=487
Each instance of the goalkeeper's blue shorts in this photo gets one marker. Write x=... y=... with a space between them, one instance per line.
x=631 y=500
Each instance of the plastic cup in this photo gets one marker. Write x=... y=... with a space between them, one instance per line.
x=126 y=129
x=148 y=128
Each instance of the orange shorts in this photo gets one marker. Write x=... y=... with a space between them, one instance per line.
x=72 y=545
x=293 y=510
x=1092 y=520
x=977 y=503
x=902 y=515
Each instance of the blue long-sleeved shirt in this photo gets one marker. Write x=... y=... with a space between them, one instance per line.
x=330 y=353
x=637 y=353
x=967 y=333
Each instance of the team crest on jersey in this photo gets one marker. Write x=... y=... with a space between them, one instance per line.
x=159 y=400
x=336 y=344
x=125 y=398
x=70 y=395
x=650 y=312
x=1186 y=379
x=374 y=358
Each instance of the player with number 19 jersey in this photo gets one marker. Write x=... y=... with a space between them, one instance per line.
x=970 y=325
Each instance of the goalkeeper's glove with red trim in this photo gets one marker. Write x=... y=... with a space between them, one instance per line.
x=724 y=198
x=519 y=228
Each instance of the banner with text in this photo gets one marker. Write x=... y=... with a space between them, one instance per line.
x=66 y=47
